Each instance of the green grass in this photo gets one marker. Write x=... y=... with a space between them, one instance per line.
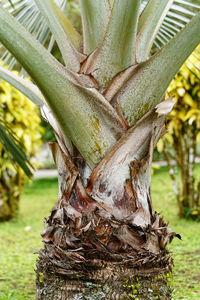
x=186 y=252
x=20 y=239
x=18 y=244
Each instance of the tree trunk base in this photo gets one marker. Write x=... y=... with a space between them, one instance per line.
x=93 y=251
x=113 y=281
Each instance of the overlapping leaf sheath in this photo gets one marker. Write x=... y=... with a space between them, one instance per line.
x=73 y=92
x=105 y=62
x=111 y=218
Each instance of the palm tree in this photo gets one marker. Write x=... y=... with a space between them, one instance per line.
x=103 y=240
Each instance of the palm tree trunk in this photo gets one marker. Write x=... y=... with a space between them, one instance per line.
x=81 y=260
x=93 y=251
x=113 y=281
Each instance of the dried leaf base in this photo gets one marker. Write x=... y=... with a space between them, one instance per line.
x=113 y=281
x=103 y=240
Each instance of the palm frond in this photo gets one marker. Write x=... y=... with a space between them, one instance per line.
x=27 y=13
x=13 y=147
x=179 y=14
x=10 y=1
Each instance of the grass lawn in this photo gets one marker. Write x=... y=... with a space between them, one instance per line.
x=20 y=239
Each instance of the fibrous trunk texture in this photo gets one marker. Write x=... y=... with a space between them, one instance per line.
x=103 y=240
x=89 y=254
x=113 y=281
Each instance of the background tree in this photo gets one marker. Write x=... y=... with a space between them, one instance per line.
x=180 y=143
x=19 y=130
x=105 y=105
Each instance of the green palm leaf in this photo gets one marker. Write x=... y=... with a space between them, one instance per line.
x=13 y=147
x=27 y=13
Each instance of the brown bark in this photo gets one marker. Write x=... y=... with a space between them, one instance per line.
x=174 y=181
x=187 y=162
x=89 y=254
x=184 y=167
x=113 y=281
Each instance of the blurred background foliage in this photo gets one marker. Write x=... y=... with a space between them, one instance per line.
x=180 y=144
x=22 y=118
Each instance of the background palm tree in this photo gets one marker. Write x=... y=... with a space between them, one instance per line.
x=105 y=104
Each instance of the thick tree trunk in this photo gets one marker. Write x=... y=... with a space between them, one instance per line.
x=90 y=254
x=110 y=281
x=103 y=240
x=92 y=257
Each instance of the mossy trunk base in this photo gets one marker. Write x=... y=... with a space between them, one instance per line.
x=114 y=282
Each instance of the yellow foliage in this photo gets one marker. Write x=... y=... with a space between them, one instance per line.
x=154 y=167
x=169 y=138
x=160 y=145
x=187 y=99
x=23 y=118
x=198 y=137
x=185 y=88
x=195 y=212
